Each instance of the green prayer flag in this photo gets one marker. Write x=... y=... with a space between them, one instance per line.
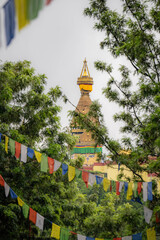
x=33 y=8
x=78 y=173
x=12 y=146
x=113 y=184
x=135 y=191
x=44 y=163
x=25 y=210
x=64 y=234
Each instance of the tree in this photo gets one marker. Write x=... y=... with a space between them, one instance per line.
x=133 y=33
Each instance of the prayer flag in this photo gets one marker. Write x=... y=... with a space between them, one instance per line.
x=6 y=144
x=106 y=184
x=121 y=186
x=51 y=165
x=0 y=137
x=71 y=173
x=145 y=192
x=125 y=187
x=85 y=177
x=23 y=153
x=40 y=221
x=78 y=173
x=9 y=10
x=20 y=202
x=90 y=238
x=64 y=168
x=2 y=181
x=99 y=238
x=30 y=152
x=117 y=188
x=33 y=8
x=117 y=238
x=48 y=2
x=135 y=192
x=25 y=210
x=129 y=191
x=38 y=156
x=44 y=163
x=12 y=193
x=18 y=150
x=151 y=234
x=55 y=231
x=147 y=214
x=137 y=236
x=64 y=235
x=150 y=195
x=32 y=215
x=139 y=189
x=12 y=146
x=127 y=238
x=157 y=217
x=81 y=237
x=6 y=188
x=91 y=179
x=99 y=179
x=21 y=12
x=57 y=165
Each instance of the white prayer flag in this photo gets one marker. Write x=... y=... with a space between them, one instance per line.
x=121 y=186
x=81 y=237
x=127 y=238
x=91 y=179
x=40 y=221
x=145 y=191
x=57 y=165
x=23 y=153
x=6 y=189
x=147 y=214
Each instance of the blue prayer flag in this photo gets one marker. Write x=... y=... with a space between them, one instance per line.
x=90 y=238
x=0 y=136
x=13 y=195
x=30 y=152
x=99 y=179
x=125 y=187
x=137 y=236
x=9 y=10
x=64 y=168
x=150 y=196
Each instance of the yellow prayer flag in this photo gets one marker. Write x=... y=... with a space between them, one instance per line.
x=99 y=238
x=6 y=144
x=129 y=191
x=55 y=231
x=106 y=184
x=38 y=156
x=20 y=202
x=158 y=186
x=21 y=12
x=71 y=173
x=151 y=234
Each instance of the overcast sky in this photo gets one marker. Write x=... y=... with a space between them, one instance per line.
x=57 y=43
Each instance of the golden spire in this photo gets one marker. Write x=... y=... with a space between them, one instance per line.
x=85 y=82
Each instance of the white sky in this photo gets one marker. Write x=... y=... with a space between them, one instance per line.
x=57 y=43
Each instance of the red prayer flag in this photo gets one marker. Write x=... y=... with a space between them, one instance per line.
x=85 y=177
x=157 y=218
x=17 y=149
x=1 y=181
x=48 y=2
x=117 y=238
x=51 y=165
x=32 y=215
x=139 y=188
x=117 y=188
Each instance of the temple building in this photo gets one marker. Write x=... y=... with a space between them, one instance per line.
x=85 y=145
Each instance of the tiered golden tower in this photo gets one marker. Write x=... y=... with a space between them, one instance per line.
x=85 y=145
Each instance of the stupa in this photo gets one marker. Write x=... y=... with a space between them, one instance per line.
x=85 y=145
